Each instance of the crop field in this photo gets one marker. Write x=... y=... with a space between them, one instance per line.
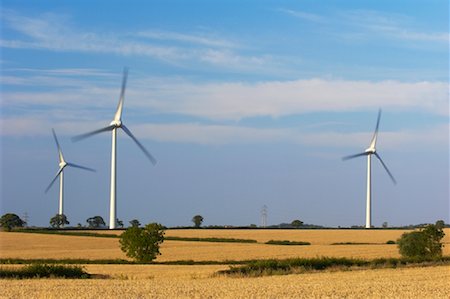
x=200 y=281
x=158 y=281
x=24 y=245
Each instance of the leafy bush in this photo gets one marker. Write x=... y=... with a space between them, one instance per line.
x=44 y=270
x=390 y=242
x=425 y=244
x=142 y=244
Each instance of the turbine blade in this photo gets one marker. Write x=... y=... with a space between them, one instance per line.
x=56 y=140
x=118 y=114
x=81 y=167
x=373 y=142
x=354 y=156
x=86 y=135
x=385 y=167
x=54 y=179
x=60 y=154
x=149 y=156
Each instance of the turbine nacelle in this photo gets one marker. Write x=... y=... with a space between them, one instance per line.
x=116 y=123
x=62 y=164
x=370 y=151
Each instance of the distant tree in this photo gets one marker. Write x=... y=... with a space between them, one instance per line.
x=197 y=219
x=142 y=244
x=297 y=223
x=9 y=221
x=79 y=225
x=385 y=224
x=119 y=223
x=96 y=222
x=440 y=224
x=59 y=220
x=135 y=223
x=425 y=243
x=253 y=225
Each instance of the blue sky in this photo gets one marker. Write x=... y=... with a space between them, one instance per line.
x=243 y=103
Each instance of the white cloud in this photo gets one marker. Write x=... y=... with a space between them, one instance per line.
x=228 y=101
x=234 y=101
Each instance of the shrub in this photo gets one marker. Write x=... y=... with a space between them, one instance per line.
x=425 y=244
x=390 y=242
x=142 y=244
x=286 y=242
x=44 y=270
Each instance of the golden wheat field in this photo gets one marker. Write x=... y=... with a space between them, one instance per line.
x=158 y=281
x=198 y=281
x=20 y=245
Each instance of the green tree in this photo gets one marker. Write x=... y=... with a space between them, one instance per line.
x=197 y=219
x=440 y=224
x=142 y=244
x=119 y=223
x=59 y=220
x=425 y=243
x=9 y=221
x=96 y=222
x=297 y=223
x=135 y=223
x=384 y=225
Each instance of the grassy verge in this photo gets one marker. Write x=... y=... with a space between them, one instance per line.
x=304 y=265
x=219 y=240
x=16 y=261
x=44 y=270
x=286 y=242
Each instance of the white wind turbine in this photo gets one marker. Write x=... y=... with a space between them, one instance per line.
x=371 y=150
x=115 y=124
x=62 y=164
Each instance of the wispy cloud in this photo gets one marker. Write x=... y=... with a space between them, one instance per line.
x=304 y=15
x=392 y=26
x=366 y=23
x=195 y=39
x=55 y=33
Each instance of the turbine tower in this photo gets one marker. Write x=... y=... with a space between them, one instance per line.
x=60 y=173
x=115 y=124
x=371 y=150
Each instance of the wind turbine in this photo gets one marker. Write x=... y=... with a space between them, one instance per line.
x=371 y=150
x=62 y=164
x=115 y=124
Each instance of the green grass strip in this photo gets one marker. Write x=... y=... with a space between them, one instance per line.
x=305 y=265
x=17 y=261
x=286 y=242
x=218 y=240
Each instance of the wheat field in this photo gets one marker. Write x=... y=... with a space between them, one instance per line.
x=156 y=281
x=199 y=281
x=22 y=245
